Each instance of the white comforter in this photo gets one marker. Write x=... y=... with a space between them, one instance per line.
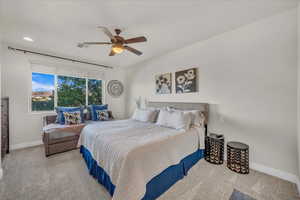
x=133 y=152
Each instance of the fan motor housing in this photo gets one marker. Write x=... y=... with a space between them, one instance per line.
x=118 y=31
x=118 y=40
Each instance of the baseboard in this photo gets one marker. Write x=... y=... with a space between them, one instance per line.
x=298 y=186
x=1 y=173
x=26 y=144
x=276 y=172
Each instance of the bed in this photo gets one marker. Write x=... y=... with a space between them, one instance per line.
x=137 y=160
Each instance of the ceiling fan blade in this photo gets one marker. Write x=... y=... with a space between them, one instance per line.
x=112 y=53
x=81 y=45
x=95 y=43
x=135 y=40
x=137 y=52
x=86 y=44
x=107 y=32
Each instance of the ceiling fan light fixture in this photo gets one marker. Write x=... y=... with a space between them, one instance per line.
x=117 y=48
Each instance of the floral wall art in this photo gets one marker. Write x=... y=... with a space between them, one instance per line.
x=163 y=83
x=186 y=81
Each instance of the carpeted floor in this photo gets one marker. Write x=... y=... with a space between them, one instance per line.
x=29 y=175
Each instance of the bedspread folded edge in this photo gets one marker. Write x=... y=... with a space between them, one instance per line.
x=96 y=171
x=157 y=185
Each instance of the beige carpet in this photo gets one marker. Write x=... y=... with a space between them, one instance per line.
x=29 y=175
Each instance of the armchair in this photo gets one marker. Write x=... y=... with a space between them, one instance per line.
x=59 y=140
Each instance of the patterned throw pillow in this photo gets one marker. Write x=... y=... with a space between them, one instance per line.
x=60 y=113
x=94 y=108
x=72 y=118
x=102 y=115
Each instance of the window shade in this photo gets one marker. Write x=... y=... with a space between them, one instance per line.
x=68 y=71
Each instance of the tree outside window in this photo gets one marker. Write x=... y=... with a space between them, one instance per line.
x=94 y=91
x=70 y=91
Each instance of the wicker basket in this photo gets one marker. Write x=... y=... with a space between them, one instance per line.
x=214 y=148
x=238 y=157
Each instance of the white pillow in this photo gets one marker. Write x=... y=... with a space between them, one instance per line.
x=197 y=118
x=174 y=119
x=144 y=115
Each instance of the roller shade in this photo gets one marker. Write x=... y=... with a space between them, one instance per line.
x=68 y=71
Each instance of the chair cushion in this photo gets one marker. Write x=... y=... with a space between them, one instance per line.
x=53 y=127
x=61 y=135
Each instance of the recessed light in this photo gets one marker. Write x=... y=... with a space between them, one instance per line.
x=28 y=39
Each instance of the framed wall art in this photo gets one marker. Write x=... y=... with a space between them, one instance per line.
x=186 y=81
x=163 y=83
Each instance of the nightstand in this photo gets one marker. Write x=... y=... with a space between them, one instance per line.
x=238 y=157
x=214 y=148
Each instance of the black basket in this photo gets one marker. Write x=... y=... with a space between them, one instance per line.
x=238 y=157
x=214 y=149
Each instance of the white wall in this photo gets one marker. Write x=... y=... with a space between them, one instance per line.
x=25 y=126
x=249 y=75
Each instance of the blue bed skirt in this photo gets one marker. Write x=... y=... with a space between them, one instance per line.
x=157 y=185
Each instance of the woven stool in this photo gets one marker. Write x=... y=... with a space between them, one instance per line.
x=214 y=148
x=238 y=157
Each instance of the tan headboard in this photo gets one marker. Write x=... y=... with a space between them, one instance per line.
x=182 y=106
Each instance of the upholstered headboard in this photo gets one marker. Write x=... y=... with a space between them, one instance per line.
x=203 y=107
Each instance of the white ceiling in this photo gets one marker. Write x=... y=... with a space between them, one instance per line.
x=58 y=25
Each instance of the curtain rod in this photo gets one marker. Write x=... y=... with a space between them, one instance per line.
x=58 y=57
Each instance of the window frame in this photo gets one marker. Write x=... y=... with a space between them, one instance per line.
x=56 y=95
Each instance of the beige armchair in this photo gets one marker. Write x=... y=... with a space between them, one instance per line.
x=59 y=140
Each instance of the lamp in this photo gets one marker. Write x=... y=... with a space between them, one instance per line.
x=117 y=48
x=138 y=102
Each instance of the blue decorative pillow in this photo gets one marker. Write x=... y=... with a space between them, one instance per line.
x=102 y=115
x=60 y=113
x=94 y=109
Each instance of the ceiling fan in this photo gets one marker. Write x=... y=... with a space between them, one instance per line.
x=119 y=44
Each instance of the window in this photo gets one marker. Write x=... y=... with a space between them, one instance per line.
x=69 y=91
x=42 y=92
x=95 y=91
